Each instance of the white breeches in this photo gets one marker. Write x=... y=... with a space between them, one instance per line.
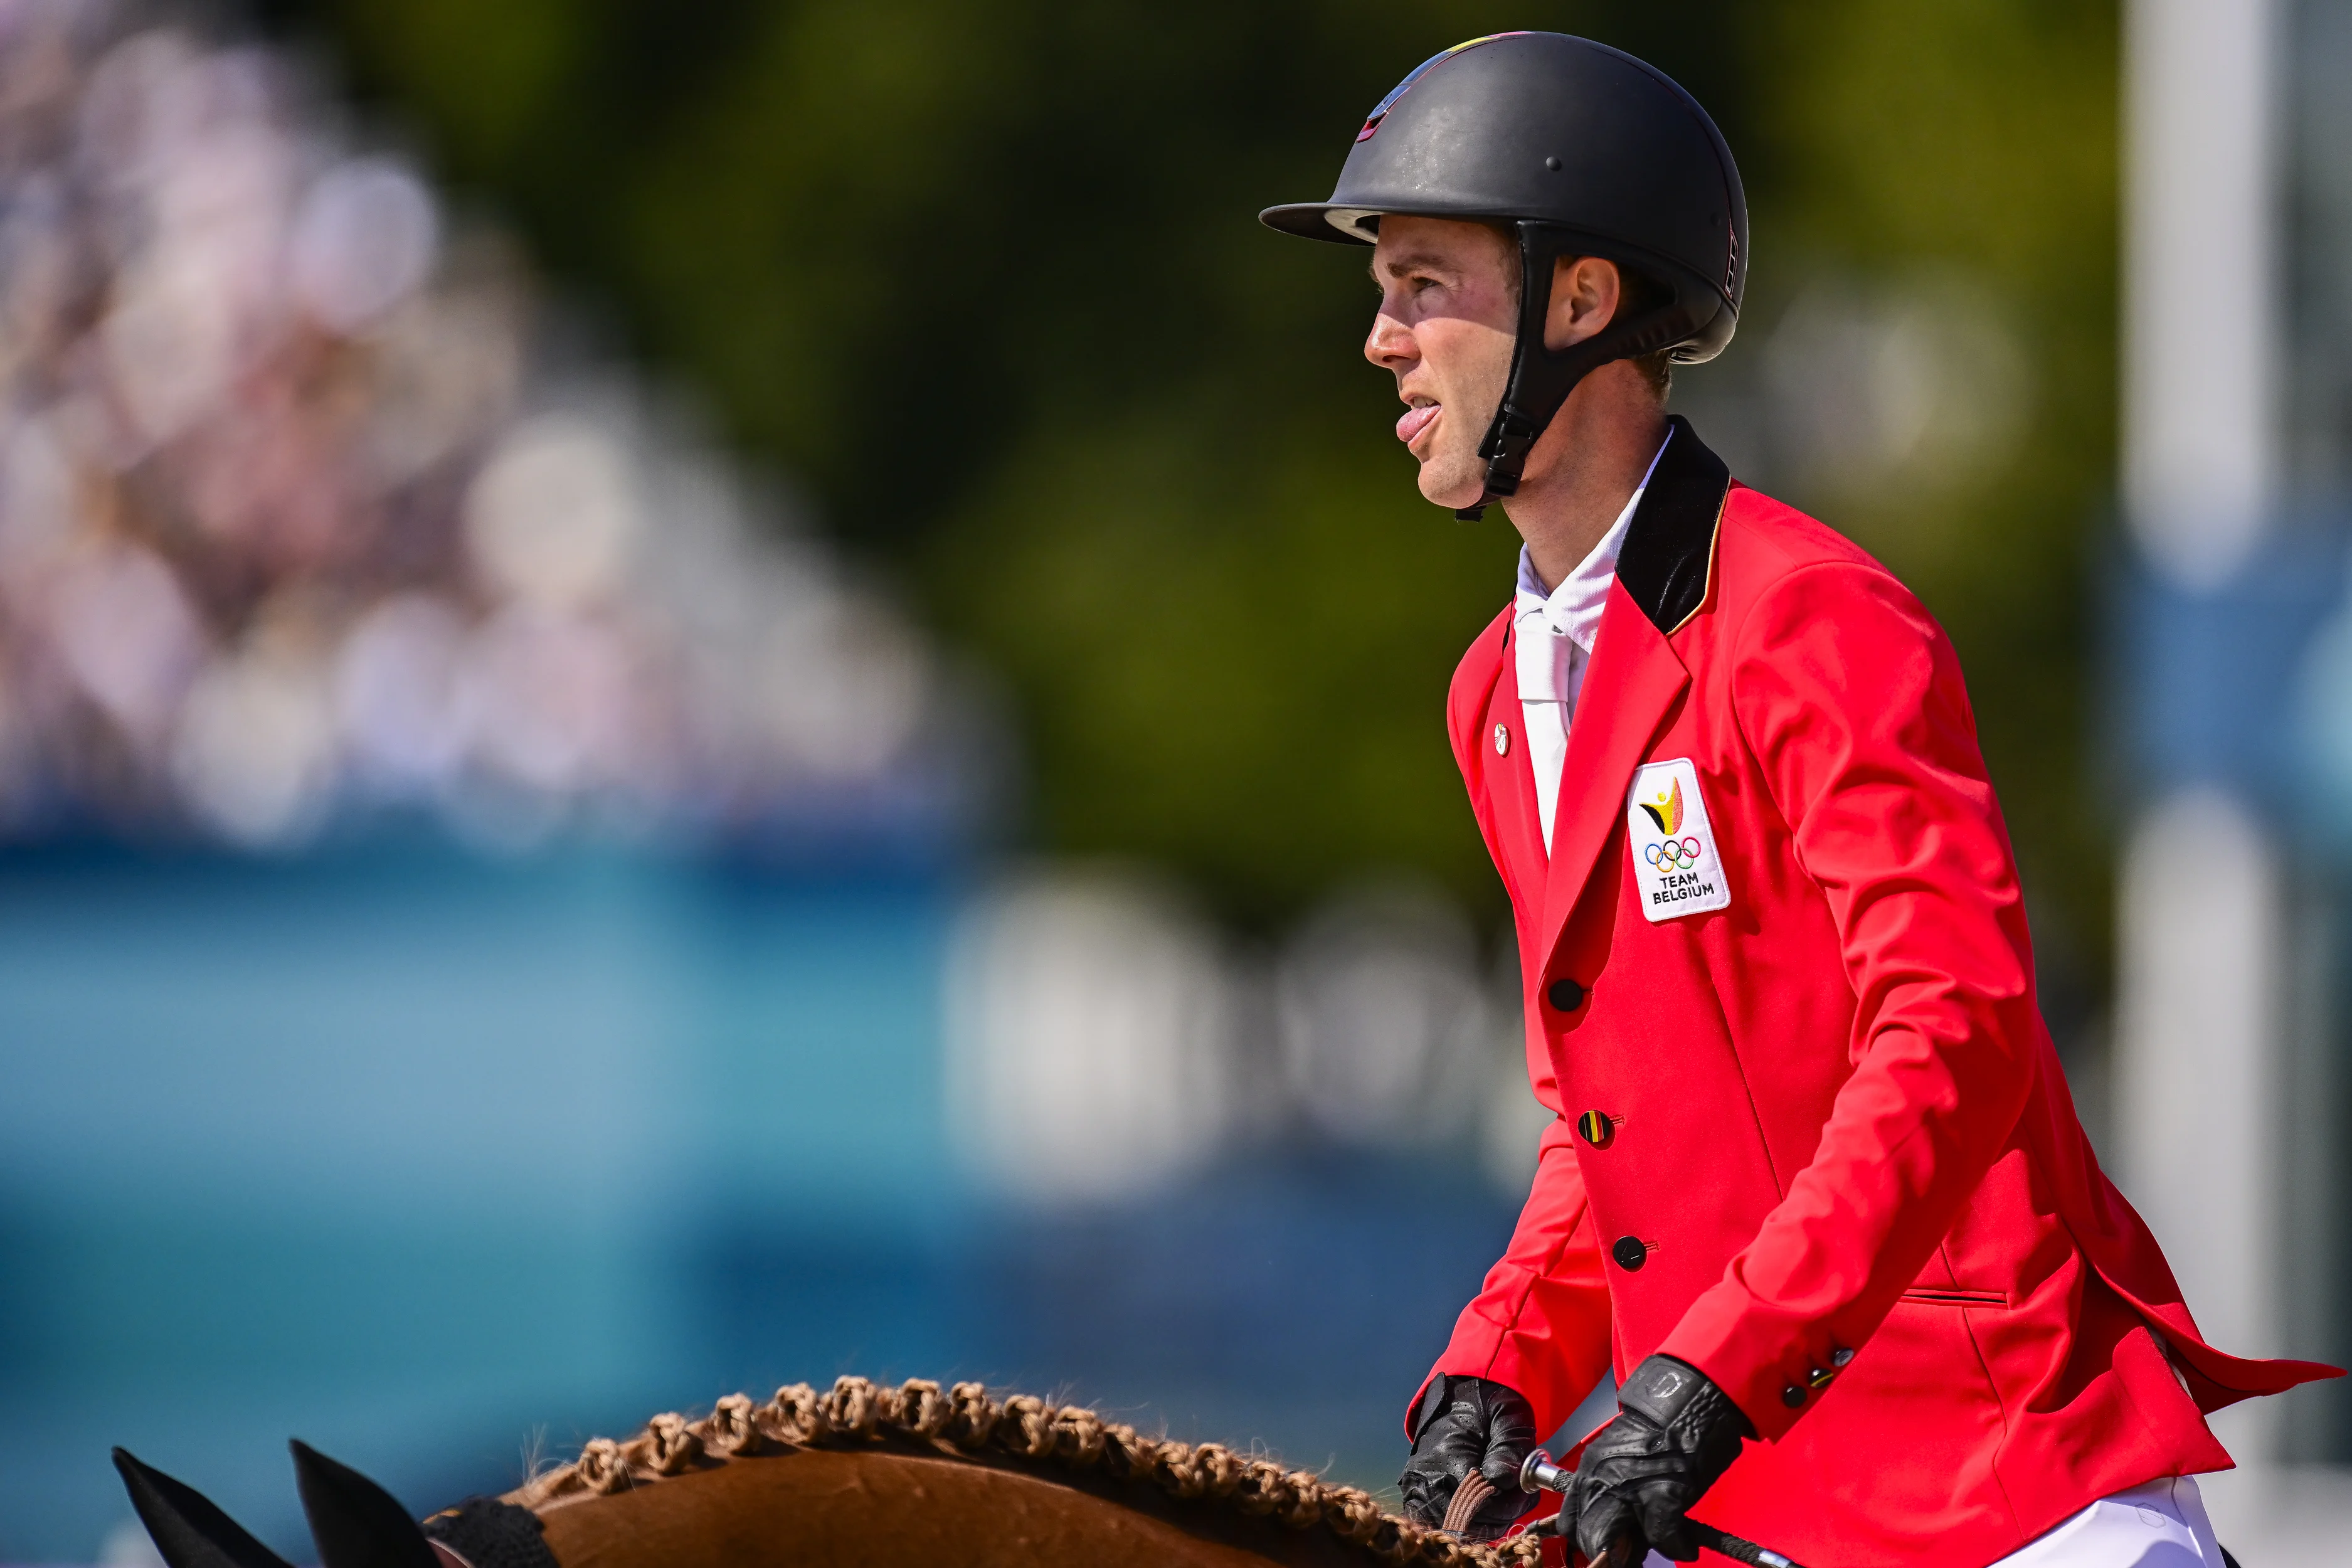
x=2159 y=1525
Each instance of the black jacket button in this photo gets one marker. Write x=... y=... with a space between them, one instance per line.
x=1595 y=1128
x=1630 y=1253
x=1565 y=995
x=1792 y=1396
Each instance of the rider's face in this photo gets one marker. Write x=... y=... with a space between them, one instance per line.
x=1448 y=317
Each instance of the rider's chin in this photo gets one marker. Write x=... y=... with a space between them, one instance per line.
x=1449 y=485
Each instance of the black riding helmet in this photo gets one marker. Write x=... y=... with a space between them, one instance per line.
x=1581 y=150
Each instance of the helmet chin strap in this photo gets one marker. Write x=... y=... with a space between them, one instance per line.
x=1541 y=378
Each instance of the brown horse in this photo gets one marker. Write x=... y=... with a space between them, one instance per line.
x=877 y=1478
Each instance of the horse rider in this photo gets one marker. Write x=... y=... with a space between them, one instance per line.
x=1814 y=1187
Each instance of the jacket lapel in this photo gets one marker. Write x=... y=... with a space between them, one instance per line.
x=1666 y=574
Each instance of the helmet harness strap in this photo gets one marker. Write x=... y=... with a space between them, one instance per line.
x=1541 y=378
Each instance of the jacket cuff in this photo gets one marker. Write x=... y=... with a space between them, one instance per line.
x=1470 y=1353
x=1772 y=1366
x=1529 y=1363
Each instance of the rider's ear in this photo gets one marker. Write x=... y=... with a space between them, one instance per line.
x=1586 y=293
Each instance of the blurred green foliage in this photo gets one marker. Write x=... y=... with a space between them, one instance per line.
x=1979 y=137
x=986 y=278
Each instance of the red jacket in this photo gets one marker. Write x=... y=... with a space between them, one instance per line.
x=1781 y=999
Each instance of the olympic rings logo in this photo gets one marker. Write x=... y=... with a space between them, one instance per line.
x=1672 y=855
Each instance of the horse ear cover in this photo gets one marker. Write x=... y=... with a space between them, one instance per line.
x=1573 y=148
x=188 y=1527
x=355 y=1522
x=488 y=1533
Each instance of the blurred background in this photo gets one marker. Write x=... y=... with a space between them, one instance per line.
x=701 y=694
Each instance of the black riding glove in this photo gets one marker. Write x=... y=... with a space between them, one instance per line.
x=1468 y=1423
x=1675 y=1432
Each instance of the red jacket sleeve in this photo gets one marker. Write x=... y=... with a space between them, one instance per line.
x=1540 y=1323
x=1851 y=698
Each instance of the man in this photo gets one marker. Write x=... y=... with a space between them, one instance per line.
x=1815 y=1190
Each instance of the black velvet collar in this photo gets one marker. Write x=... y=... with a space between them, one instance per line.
x=1669 y=549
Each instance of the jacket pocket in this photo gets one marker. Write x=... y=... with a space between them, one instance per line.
x=1955 y=1298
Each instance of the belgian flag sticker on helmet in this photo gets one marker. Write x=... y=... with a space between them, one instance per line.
x=1372 y=121
x=1676 y=866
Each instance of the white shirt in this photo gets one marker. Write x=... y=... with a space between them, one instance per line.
x=1553 y=633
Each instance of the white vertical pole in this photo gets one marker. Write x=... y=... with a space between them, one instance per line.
x=2201 y=281
x=2199 y=1020
x=2200 y=1010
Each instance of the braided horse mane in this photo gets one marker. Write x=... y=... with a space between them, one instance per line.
x=1032 y=1433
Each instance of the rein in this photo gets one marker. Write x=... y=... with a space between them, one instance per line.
x=1473 y=1492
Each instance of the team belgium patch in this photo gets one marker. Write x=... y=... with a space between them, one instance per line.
x=1674 y=861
